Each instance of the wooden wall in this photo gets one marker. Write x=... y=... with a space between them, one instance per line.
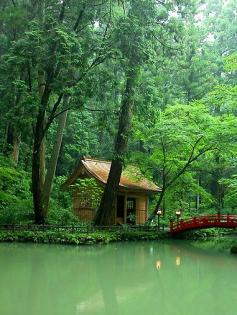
x=81 y=209
x=141 y=209
x=86 y=213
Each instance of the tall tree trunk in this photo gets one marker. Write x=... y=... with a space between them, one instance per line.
x=38 y=160
x=158 y=205
x=13 y=140
x=37 y=173
x=16 y=147
x=54 y=159
x=41 y=87
x=215 y=187
x=198 y=195
x=104 y=214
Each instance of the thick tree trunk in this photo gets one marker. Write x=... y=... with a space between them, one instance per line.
x=105 y=212
x=54 y=159
x=41 y=87
x=38 y=160
x=37 y=173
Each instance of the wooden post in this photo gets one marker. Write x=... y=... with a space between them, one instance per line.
x=125 y=208
x=171 y=225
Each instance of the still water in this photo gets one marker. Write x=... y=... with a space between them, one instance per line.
x=167 y=278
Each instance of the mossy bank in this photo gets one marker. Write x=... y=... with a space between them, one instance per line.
x=77 y=238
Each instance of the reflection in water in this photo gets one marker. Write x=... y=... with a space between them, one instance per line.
x=158 y=264
x=118 y=279
x=177 y=261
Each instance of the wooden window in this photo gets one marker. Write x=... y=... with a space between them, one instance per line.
x=85 y=202
x=131 y=202
x=131 y=210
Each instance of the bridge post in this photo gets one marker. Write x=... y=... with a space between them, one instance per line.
x=228 y=217
x=171 y=225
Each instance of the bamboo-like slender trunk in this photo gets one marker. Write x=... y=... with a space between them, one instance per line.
x=16 y=147
x=13 y=140
x=54 y=159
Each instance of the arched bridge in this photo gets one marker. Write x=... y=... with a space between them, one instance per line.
x=203 y=222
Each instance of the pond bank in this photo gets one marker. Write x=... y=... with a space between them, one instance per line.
x=221 y=238
x=77 y=238
x=206 y=234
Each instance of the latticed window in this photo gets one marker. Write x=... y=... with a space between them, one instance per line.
x=85 y=202
x=87 y=194
x=130 y=204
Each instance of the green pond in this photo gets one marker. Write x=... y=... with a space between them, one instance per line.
x=167 y=278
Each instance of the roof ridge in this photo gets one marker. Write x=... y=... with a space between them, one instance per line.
x=95 y=159
x=99 y=169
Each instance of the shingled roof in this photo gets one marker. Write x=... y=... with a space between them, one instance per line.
x=99 y=170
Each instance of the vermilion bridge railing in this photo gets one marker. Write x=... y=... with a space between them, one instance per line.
x=201 y=222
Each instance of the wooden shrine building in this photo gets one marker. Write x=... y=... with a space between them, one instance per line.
x=132 y=201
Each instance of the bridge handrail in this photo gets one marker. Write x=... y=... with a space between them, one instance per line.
x=199 y=221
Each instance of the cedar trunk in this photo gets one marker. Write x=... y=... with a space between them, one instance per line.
x=16 y=147
x=37 y=180
x=106 y=212
x=38 y=160
x=13 y=139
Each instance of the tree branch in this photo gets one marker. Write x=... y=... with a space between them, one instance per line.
x=86 y=108
x=110 y=16
x=79 y=17
x=29 y=76
x=190 y=161
x=51 y=116
x=62 y=12
x=14 y=3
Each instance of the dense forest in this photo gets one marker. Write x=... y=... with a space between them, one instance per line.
x=152 y=83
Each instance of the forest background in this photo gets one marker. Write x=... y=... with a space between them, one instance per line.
x=148 y=83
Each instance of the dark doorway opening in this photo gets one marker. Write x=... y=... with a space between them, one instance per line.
x=131 y=210
x=120 y=207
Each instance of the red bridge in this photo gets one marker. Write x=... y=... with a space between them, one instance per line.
x=203 y=222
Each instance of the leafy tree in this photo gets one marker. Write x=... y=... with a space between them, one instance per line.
x=129 y=70
x=137 y=36
x=60 y=44
x=181 y=135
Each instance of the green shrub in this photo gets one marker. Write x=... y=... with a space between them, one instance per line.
x=15 y=195
x=76 y=238
x=61 y=216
